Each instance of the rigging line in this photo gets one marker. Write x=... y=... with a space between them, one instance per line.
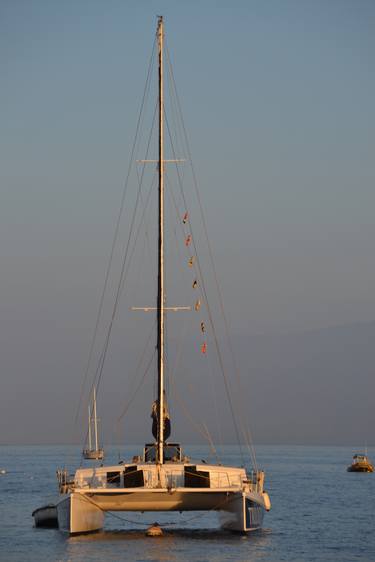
x=96 y=372
x=171 y=194
x=126 y=262
x=216 y=406
x=138 y=232
x=146 y=247
x=147 y=87
x=138 y=368
x=140 y=181
x=123 y=276
x=174 y=117
x=212 y=444
x=172 y=380
x=119 y=289
x=193 y=421
x=247 y=434
x=100 y=366
x=226 y=383
x=132 y=398
x=145 y=93
x=246 y=430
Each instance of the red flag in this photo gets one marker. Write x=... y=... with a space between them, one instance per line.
x=204 y=347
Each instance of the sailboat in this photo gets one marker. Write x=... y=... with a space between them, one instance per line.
x=93 y=453
x=161 y=478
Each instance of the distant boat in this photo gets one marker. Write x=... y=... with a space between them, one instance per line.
x=93 y=453
x=361 y=463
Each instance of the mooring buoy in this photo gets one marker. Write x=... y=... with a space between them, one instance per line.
x=154 y=531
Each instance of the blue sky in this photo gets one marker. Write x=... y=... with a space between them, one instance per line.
x=278 y=103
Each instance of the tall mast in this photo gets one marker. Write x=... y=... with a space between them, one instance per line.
x=160 y=303
x=90 y=447
x=95 y=422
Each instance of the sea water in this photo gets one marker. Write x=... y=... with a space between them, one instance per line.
x=319 y=512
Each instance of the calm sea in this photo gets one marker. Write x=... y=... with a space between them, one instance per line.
x=319 y=512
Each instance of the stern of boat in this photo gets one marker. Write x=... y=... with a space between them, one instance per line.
x=77 y=513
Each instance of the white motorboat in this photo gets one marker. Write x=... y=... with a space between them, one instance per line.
x=361 y=463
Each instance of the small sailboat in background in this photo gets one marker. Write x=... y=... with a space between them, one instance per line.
x=93 y=453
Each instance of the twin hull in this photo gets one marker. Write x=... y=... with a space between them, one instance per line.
x=82 y=511
x=240 y=503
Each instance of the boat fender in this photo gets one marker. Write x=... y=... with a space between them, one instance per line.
x=266 y=500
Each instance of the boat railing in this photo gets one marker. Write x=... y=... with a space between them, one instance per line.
x=176 y=479
x=256 y=481
x=65 y=481
x=223 y=479
x=171 y=479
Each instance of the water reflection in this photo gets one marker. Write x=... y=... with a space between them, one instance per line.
x=211 y=545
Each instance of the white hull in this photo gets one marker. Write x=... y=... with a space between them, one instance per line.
x=244 y=514
x=76 y=514
x=240 y=503
x=83 y=512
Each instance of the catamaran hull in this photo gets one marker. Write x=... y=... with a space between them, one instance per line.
x=77 y=514
x=242 y=515
x=83 y=512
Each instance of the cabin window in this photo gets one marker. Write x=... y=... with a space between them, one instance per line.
x=133 y=478
x=196 y=478
x=114 y=479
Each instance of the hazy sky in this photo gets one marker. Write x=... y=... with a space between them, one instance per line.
x=278 y=99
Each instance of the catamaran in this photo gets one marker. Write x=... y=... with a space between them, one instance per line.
x=162 y=477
